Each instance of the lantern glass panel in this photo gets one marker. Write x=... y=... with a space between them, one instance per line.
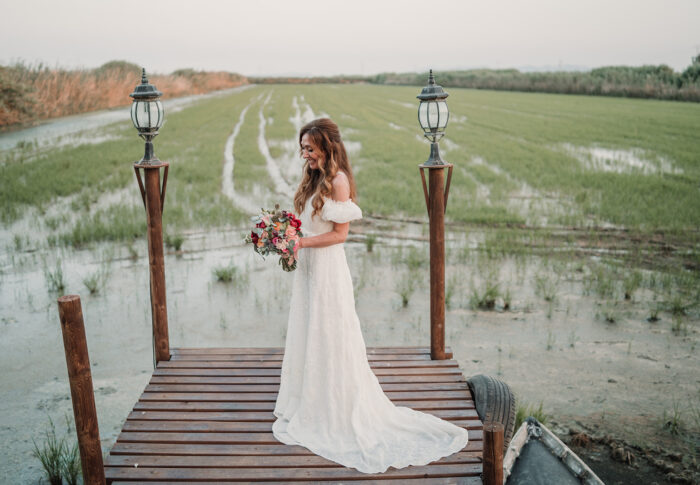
x=444 y=114
x=423 y=115
x=147 y=115
x=133 y=114
x=433 y=115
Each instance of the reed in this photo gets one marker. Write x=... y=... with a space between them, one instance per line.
x=37 y=91
x=51 y=454
x=406 y=285
x=525 y=410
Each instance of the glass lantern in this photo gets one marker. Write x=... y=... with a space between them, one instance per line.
x=147 y=115
x=433 y=115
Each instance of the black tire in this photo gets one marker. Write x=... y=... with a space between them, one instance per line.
x=494 y=401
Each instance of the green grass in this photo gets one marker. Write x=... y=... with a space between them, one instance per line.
x=174 y=241
x=230 y=274
x=406 y=285
x=525 y=410
x=484 y=297
x=249 y=168
x=55 y=280
x=507 y=147
x=59 y=459
x=116 y=223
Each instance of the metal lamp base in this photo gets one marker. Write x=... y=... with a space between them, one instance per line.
x=434 y=158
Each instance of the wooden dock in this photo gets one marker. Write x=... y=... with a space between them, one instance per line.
x=206 y=417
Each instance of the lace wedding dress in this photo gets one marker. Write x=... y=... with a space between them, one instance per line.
x=329 y=399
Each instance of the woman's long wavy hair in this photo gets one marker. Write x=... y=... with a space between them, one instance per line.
x=324 y=134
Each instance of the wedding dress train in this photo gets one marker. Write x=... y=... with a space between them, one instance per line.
x=329 y=399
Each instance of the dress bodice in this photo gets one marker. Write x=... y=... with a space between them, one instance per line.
x=332 y=211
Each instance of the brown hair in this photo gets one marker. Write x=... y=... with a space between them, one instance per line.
x=326 y=136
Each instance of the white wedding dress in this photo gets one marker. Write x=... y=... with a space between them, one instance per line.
x=329 y=399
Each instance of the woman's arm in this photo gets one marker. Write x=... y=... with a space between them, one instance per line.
x=340 y=192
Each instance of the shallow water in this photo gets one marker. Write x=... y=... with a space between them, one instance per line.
x=67 y=128
x=634 y=160
x=563 y=355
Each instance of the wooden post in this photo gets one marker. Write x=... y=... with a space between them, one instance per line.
x=436 y=183
x=436 y=200
x=493 y=453
x=82 y=395
x=153 y=200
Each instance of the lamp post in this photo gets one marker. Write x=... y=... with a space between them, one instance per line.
x=147 y=116
x=432 y=116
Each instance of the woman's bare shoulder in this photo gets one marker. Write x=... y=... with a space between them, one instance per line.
x=340 y=177
x=341 y=186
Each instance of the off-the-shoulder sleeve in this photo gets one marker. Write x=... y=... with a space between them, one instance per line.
x=340 y=212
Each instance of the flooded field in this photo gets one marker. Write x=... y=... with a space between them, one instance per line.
x=555 y=343
x=558 y=282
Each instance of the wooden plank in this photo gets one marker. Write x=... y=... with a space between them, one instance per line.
x=280 y=350
x=230 y=426
x=272 y=396
x=206 y=416
x=389 y=387
x=278 y=357
x=266 y=371
x=248 y=461
x=204 y=449
x=393 y=379
x=387 y=481
x=205 y=406
x=261 y=416
x=222 y=438
x=194 y=364
x=291 y=474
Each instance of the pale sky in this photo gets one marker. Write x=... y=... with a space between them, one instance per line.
x=325 y=37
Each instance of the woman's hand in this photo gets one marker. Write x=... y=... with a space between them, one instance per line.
x=297 y=247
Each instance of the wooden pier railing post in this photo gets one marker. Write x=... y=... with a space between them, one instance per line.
x=82 y=395
x=436 y=200
x=153 y=198
x=493 y=453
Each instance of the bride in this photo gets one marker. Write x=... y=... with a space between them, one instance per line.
x=329 y=399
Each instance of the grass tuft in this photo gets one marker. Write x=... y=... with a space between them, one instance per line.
x=405 y=286
x=526 y=410
x=370 y=241
x=55 y=281
x=230 y=274
x=484 y=298
x=59 y=459
x=174 y=241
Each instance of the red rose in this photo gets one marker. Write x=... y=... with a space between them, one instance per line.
x=260 y=224
x=254 y=237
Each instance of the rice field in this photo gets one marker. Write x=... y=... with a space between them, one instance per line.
x=539 y=160
x=572 y=242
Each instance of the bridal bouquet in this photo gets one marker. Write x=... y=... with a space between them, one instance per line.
x=276 y=232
